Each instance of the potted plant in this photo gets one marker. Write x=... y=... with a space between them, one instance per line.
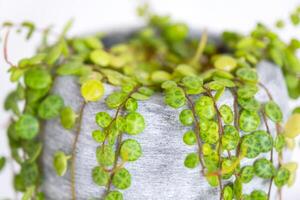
x=155 y=114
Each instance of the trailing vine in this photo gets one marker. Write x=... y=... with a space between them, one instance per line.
x=193 y=74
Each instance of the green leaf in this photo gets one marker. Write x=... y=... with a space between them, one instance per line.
x=72 y=68
x=282 y=177
x=28 y=193
x=122 y=179
x=189 y=138
x=249 y=121
x=226 y=114
x=105 y=155
x=135 y=123
x=250 y=104
x=228 y=193
x=160 y=76
x=60 y=163
x=279 y=142
x=98 y=136
x=250 y=146
x=115 y=99
x=225 y=62
x=2 y=162
x=175 y=97
x=259 y=195
x=67 y=117
x=130 y=150
x=273 y=111
x=55 y=52
x=131 y=105
x=264 y=139
x=192 y=84
x=264 y=168
x=191 y=160
x=247 y=91
x=30 y=173
x=176 y=32
x=50 y=107
x=230 y=138
x=292 y=126
x=186 y=117
x=247 y=174
x=100 y=57
x=37 y=78
x=247 y=74
x=204 y=107
x=114 y=195
x=103 y=119
x=237 y=188
x=92 y=90
x=27 y=127
x=100 y=177
x=209 y=131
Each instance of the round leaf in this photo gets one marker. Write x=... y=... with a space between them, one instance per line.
x=27 y=127
x=130 y=150
x=114 y=195
x=204 y=107
x=226 y=114
x=249 y=121
x=273 y=111
x=37 y=78
x=67 y=117
x=103 y=119
x=105 y=155
x=135 y=123
x=230 y=138
x=247 y=174
x=60 y=163
x=191 y=160
x=259 y=195
x=282 y=177
x=92 y=90
x=175 y=97
x=189 y=138
x=122 y=179
x=186 y=117
x=100 y=177
x=264 y=168
x=50 y=107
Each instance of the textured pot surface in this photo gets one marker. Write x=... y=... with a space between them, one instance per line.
x=159 y=174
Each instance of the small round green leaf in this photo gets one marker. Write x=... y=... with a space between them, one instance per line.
x=226 y=114
x=209 y=131
x=92 y=90
x=282 y=177
x=250 y=146
x=175 y=97
x=186 y=117
x=50 y=107
x=122 y=179
x=191 y=160
x=249 y=121
x=259 y=195
x=115 y=99
x=37 y=78
x=227 y=193
x=130 y=150
x=225 y=62
x=103 y=119
x=131 y=105
x=189 y=138
x=27 y=127
x=273 y=111
x=98 y=136
x=264 y=168
x=265 y=140
x=60 y=163
x=105 y=155
x=114 y=195
x=230 y=138
x=135 y=123
x=67 y=117
x=247 y=174
x=247 y=74
x=204 y=107
x=100 y=177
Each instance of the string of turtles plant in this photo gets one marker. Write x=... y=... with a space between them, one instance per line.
x=193 y=74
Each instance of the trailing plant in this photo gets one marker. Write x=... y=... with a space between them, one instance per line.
x=192 y=73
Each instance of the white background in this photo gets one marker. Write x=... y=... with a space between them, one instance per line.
x=95 y=15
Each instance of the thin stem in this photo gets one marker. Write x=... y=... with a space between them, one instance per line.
x=221 y=132
x=200 y=48
x=197 y=129
x=73 y=159
x=5 y=48
x=119 y=141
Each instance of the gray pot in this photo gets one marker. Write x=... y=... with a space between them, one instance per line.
x=159 y=174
